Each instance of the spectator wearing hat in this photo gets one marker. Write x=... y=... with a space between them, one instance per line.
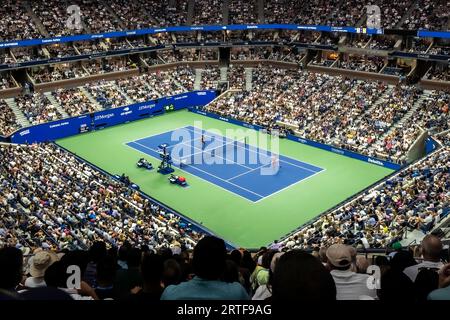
x=431 y=253
x=209 y=262
x=349 y=285
x=38 y=264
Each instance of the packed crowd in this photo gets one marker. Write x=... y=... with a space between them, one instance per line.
x=74 y=102
x=429 y=14
x=442 y=74
x=16 y=24
x=172 y=56
x=53 y=16
x=432 y=114
x=131 y=273
x=163 y=81
x=137 y=89
x=61 y=50
x=382 y=43
x=213 y=14
x=51 y=200
x=362 y=63
x=24 y=54
x=133 y=14
x=37 y=108
x=106 y=94
x=416 y=198
x=267 y=53
x=329 y=125
x=333 y=110
x=108 y=65
x=242 y=12
x=6 y=81
x=185 y=76
x=61 y=72
x=210 y=78
x=125 y=15
x=8 y=122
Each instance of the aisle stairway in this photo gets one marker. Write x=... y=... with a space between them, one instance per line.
x=129 y=100
x=248 y=79
x=198 y=79
x=91 y=98
x=56 y=104
x=20 y=117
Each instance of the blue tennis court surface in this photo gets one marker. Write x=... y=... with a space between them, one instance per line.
x=239 y=168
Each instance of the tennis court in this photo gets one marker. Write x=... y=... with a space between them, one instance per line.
x=245 y=221
x=234 y=165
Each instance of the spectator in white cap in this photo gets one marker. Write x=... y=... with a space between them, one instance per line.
x=349 y=285
x=38 y=264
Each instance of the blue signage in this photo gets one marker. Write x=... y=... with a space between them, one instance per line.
x=51 y=131
x=131 y=33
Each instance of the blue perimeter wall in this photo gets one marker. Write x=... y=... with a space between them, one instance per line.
x=51 y=131
x=315 y=144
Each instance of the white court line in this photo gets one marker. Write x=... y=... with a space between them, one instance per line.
x=247 y=172
x=234 y=162
x=158 y=134
x=227 y=181
x=259 y=153
x=210 y=182
x=212 y=175
x=290 y=186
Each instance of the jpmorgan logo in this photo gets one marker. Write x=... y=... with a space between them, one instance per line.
x=104 y=116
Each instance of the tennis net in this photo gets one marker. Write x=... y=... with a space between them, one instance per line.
x=224 y=151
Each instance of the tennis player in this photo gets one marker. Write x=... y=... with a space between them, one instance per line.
x=203 y=141
x=275 y=163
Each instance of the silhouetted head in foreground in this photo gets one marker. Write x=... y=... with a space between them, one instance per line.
x=209 y=258
x=299 y=276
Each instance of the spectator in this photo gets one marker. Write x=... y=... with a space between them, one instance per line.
x=151 y=272
x=443 y=293
x=299 y=276
x=127 y=279
x=39 y=263
x=260 y=275
x=349 y=285
x=431 y=253
x=105 y=275
x=11 y=266
x=97 y=252
x=209 y=265
x=427 y=280
x=265 y=291
x=172 y=274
